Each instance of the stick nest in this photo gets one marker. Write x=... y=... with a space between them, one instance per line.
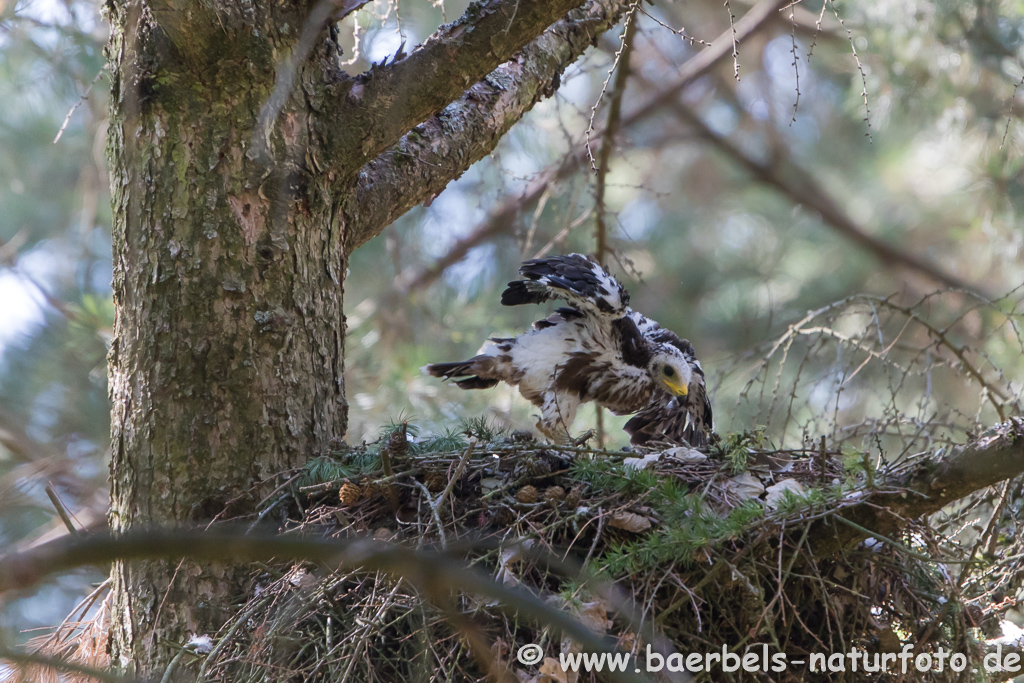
x=669 y=548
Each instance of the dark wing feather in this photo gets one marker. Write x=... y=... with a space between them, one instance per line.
x=656 y=334
x=585 y=285
x=633 y=347
x=682 y=419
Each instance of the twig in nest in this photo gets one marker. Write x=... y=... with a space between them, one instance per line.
x=435 y=503
x=597 y=536
x=459 y=469
x=587 y=436
x=434 y=512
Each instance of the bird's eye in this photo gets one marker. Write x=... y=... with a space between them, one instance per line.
x=669 y=372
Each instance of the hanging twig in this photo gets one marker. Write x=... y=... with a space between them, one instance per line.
x=735 y=42
x=860 y=68
x=796 y=62
x=1009 y=116
x=81 y=100
x=626 y=29
x=610 y=130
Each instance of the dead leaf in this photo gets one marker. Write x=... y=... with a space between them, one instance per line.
x=776 y=492
x=629 y=521
x=641 y=463
x=686 y=455
x=511 y=556
x=744 y=487
x=595 y=615
x=551 y=672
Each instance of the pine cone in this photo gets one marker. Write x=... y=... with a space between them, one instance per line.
x=435 y=482
x=503 y=516
x=350 y=493
x=572 y=499
x=398 y=442
x=527 y=494
x=554 y=495
x=372 y=488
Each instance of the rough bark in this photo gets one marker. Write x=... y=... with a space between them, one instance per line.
x=993 y=457
x=470 y=128
x=226 y=366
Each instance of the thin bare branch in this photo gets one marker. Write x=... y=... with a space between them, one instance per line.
x=1009 y=116
x=74 y=108
x=735 y=42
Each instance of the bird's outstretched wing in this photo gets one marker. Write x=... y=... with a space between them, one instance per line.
x=584 y=284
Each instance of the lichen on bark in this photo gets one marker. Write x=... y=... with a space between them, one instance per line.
x=226 y=366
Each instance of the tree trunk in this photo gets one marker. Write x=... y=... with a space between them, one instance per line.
x=226 y=364
x=231 y=222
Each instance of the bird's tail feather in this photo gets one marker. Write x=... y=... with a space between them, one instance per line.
x=470 y=369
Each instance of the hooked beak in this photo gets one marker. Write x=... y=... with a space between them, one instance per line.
x=677 y=388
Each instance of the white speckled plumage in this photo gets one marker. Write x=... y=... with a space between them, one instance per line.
x=596 y=349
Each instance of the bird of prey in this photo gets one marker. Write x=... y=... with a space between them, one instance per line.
x=595 y=349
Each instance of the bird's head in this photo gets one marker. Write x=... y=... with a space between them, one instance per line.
x=670 y=368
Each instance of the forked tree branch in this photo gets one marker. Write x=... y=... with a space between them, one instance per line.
x=441 y=149
x=369 y=114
